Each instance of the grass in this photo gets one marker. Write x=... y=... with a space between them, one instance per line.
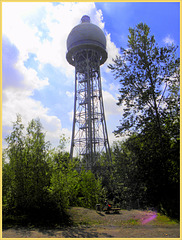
x=130 y=222
x=164 y=220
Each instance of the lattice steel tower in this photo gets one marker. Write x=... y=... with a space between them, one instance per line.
x=86 y=45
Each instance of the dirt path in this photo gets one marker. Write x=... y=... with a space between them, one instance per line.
x=95 y=232
x=89 y=224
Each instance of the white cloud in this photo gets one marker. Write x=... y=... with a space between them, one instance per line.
x=111 y=109
x=59 y=20
x=113 y=87
x=22 y=25
x=113 y=114
x=112 y=50
x=31 y=80
x=17 y=30
x=113 y=138
x=70 y=94
x=168 y=40
x=19 y=101
x=70 y=114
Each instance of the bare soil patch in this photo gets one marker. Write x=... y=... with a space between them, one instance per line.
x=90 y=224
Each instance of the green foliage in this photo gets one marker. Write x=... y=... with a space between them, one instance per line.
x=63 y=179
x=89 y=189
x=130 y=189
x=40 y=183
x=13 y=173
x=148 y=75
x=147 y=163
x=26 y=174
x=70 y=187
x=163 y=220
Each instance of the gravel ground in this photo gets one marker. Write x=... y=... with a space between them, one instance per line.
x=90 y=224
x=95 y=232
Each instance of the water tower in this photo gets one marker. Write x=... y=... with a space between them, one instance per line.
x=86 y=45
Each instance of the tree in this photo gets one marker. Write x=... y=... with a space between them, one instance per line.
x=39 y=183
x=15 y=154
x=72 y=188
x=37 y=177
x=89 y=189
x=146 y=73
x=130 y=189
x=29 y=176
x=149 y=95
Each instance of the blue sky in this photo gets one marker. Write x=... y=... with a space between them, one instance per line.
x=37 y=80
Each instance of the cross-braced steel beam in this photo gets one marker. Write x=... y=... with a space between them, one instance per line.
x=89 y=135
